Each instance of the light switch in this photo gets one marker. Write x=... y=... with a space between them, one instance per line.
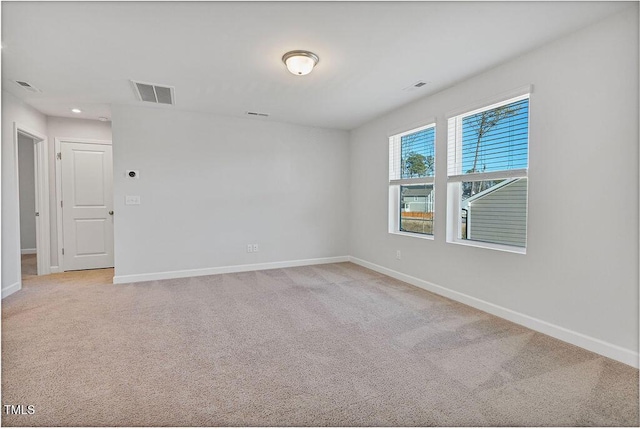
x=132 y=200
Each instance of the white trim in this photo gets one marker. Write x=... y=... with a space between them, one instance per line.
x=55 y=269
x=132 y=278
x=43 y=221
x=427 y=180
x=595 y=345
x=28 y=251
x=6 y=291
x=41 y=168
x=412 y=128
x=487 y=245
x=493 y=175
x=413 y=234
x=77 y=140
x=490 y=102
x=58 y=149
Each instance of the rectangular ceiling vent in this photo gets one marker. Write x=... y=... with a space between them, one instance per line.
x=257 y=114
x=27 y=86
x=415 y=85
x=154 y=93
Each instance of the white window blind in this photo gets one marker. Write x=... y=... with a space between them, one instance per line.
x=487 y=167
x=412 y=155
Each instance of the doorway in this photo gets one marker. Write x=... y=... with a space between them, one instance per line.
x=28 y=212
x=85 y=204
x=33 y=232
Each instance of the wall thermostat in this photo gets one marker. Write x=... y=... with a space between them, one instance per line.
x=133 y=174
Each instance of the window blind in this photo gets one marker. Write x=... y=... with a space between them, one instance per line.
x=412 y=154
x=491 y=140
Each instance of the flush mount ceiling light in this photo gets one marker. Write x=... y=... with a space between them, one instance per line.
x=300 y=62
x=76 y=110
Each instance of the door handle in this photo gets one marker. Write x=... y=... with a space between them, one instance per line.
x=111 y=212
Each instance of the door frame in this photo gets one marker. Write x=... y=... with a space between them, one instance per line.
x=43 y=225
x=59 y=220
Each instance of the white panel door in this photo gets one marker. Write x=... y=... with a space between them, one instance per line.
x=87 y=205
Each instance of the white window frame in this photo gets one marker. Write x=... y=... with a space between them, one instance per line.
x=455 y=176
x=395 y=184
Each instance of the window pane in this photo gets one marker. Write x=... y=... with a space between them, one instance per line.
x=416 y=209
x=496 y=139
x=495 y=211
x=417 y=154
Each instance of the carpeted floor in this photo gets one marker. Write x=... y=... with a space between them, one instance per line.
x=29 y=266
x=322 y=345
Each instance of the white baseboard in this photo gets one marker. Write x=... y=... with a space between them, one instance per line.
x=28 y=251
x=223 y=270
x=6 y=291
x=54 y=269
x=595 y=345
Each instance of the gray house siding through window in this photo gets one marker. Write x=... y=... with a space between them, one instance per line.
x=417 y=198
x=418 y=204
x=499 y=216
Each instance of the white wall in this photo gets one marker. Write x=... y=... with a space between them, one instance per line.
x=581 y=268
x=209 y=185
x=58 y=127
x=13 y=110
x=26 y=170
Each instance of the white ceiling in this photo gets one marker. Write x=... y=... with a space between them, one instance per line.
x=225 y=58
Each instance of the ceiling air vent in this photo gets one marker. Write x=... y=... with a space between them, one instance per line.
x=27 y=86
x=257 y=114
x=154 y=93
x=415 y=85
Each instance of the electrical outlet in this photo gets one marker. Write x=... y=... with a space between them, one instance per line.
x=256 y=248
x=249 y=248
x=132 y=200
x=398 y=255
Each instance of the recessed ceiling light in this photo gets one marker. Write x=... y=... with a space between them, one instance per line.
x=103 y=118
x=300 y=63
x=76 y=110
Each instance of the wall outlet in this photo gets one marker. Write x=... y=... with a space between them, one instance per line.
x=249 y=248
x=256 y=248
x=398 y=254
x=132 y=200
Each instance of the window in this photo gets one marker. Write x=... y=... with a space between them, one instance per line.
x=411 y=179
x=488 y=151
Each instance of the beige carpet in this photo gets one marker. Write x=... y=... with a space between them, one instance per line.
x=29 y=266
x=324 y=345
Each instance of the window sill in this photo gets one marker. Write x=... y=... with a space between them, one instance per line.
x=414 y=235
x=490 y=246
